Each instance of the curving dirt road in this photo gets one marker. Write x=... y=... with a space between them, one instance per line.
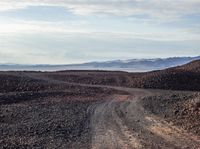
x=122 y=122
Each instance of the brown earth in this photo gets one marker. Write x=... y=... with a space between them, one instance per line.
x=91 y=109
x=43 y=113
x=186 y=77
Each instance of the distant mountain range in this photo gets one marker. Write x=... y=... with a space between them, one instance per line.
x=131 y=65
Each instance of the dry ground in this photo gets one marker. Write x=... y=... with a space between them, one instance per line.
x=57 y=114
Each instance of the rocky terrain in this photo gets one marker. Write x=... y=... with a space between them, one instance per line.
x=35 y=113
x=180 y=108
x=186 y=77
x=101 y=109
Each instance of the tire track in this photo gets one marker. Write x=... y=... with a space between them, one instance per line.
x=125 y=124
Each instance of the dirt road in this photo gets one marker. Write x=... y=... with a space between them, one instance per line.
x=122 y=122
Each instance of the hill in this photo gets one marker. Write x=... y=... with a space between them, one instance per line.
x=185 y=77
x=192 y=66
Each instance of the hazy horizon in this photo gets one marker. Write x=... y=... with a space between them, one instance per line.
x=112 y=60
x=79 y=31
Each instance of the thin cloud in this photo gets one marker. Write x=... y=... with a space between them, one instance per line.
x=128 y=28
x=164 y=9
x=79 y=28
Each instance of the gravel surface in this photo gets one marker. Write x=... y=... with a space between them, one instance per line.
x=180 y=108
x=38 y=111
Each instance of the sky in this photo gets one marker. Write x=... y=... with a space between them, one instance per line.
x=77 y=31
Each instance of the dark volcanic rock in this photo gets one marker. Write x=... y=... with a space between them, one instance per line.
x=182 y=109
x=186 y=77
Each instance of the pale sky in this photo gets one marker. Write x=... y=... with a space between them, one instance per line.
x=76 y=31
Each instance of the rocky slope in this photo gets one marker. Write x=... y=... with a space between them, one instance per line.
x=186 y=77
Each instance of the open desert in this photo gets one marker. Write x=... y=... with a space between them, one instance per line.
x=99 y=74
x=101 y=109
